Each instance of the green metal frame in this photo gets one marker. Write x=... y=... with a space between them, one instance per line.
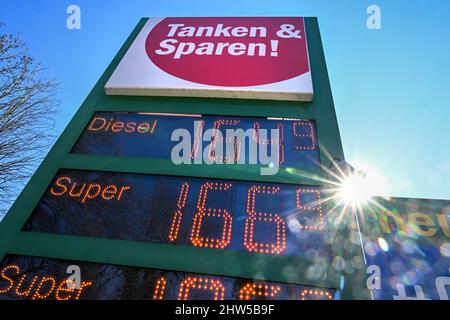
x=164 y=256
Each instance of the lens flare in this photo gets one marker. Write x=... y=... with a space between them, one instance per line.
x=383 y=244
x=358 y=187
x=354 y=190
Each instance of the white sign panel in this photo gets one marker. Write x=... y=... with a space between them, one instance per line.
x=230 y=57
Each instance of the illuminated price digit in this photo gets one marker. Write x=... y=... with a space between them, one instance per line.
x=304 y=130
x=197 y=139
x=265 y=141
x=311 y=206
x=181 y=204
x=315 y=294
x=216 y=136
x=257 y=217
x=214 y=286
x=160 y=288
x=203 y=212
x=253 y=290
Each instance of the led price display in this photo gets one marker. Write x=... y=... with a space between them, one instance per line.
x=269 y=218
x=35 y=278
x=149 y=135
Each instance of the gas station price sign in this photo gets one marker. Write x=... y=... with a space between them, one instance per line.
x=149 y=135
x=254 y=217
x=244 y=239
x=23 y=277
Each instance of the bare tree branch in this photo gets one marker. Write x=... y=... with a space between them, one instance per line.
x=27 y=108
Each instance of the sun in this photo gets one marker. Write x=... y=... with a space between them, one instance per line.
x=356 y=188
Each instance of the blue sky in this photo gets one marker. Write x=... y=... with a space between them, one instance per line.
x=391 y=86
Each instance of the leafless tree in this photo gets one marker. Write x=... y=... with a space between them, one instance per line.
x=27 y=107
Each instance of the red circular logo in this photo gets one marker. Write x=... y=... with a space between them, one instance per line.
x=229 y=51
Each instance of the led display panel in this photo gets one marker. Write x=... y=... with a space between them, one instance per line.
x=254 y=217
x=292 y=143
x=34 y=278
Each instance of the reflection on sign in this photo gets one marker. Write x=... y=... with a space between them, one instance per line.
x=409 y=241
x=43 y=278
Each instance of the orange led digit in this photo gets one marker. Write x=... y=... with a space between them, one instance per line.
x=160 y=288
x=176 y=221
x=310 y=135
x=217 y=136
x=265 y=141
x=253 y=217
x=315 y=294
x=253 y=290
x=315 y=206
x=201 y=283
x=197 y=139
x=202 y=212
